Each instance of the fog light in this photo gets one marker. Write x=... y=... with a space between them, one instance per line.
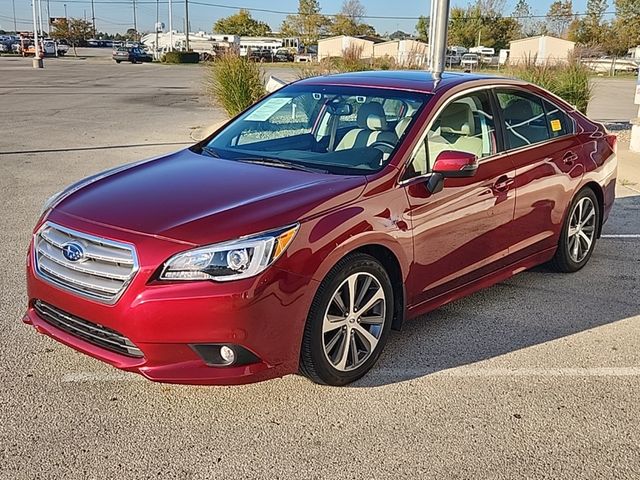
x=227 y=354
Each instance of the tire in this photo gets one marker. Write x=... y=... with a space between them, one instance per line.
x=566 y=260
x=118 y=61
x=323 y=358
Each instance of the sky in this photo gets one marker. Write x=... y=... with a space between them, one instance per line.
x=117 y=15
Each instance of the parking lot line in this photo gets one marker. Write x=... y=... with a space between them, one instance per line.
x=622 y=235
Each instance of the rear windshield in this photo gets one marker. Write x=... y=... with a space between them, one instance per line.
x=342 y=130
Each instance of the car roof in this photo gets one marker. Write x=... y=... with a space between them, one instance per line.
x=411 y=80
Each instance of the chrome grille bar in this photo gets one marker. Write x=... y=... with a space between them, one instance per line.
x=91 y=332
x=102 y=272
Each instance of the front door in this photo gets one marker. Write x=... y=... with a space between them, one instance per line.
x=461 y=232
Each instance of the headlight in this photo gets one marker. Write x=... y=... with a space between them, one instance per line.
x=242 y=258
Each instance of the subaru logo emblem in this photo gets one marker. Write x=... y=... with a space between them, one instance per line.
x=73 y=251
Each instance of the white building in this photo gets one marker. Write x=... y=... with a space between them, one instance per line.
x=543 y=50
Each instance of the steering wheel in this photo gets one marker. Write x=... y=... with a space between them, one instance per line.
x=386 y=147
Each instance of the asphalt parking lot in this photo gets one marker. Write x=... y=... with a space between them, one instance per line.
x=537 y=377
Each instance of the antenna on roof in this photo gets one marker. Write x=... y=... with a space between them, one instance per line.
x=438 y=26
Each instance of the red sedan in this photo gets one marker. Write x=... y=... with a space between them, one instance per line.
x=305 y=229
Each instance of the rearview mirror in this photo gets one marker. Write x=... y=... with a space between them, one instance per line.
x=340 y=109
x=451 y=164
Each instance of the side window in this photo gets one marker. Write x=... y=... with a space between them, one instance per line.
x=466 y=125
x=525 y=119
x=559 y=122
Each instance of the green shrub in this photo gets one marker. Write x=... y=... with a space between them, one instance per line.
x=234 y=82
x=569 y=81
x=181 y=57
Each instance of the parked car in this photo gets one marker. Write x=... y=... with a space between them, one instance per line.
x=298 y=235
x=452 y=59
x=470 y=60
x=133 y=55
x=260 y=55
x=283 y=55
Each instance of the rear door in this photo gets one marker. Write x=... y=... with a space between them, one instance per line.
x=541 y=143
x=461 y=232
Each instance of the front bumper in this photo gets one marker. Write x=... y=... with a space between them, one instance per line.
x=265 y=315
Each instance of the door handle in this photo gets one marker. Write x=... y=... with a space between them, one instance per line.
x=569 y=158
x=502 y=184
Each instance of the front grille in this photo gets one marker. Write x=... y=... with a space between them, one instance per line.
x=102 y=270
x=91 y=332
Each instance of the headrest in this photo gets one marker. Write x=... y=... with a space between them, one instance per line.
x=371 y=116
x=457 y=118
x=402 y=126
x=518 y=111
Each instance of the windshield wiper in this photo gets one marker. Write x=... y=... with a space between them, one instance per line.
x=276 y=162
x=210 y=152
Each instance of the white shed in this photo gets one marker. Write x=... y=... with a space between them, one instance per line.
x=541 y=50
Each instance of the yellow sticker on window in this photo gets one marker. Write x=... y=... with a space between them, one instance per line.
x=556 y=126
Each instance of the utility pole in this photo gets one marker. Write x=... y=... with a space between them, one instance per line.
x=439 y=41
x=48 y=19
x=93 y=18
x=15 y=23
x=157 y=28
x=135 y=20
x=37 y=60
x=170 y=26
x=186 y=22
x=41 y=30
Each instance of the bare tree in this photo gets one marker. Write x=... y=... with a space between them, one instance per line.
x=353 y=10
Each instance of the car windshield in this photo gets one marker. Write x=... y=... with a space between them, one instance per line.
x=341 y=130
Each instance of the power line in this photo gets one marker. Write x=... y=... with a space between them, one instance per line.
x=283 y=12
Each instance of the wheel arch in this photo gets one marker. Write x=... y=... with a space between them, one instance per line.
x=599 y=193
x=391 y=264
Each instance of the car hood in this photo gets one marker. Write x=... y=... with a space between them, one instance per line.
x=199 y=199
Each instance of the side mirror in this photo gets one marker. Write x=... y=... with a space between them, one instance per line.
x=451 y=164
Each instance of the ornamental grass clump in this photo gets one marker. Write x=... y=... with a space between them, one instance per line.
x=234 y=83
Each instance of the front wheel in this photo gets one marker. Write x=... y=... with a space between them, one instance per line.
x=579 y=233
x=349 y=321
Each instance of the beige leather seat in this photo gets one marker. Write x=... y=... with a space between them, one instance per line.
x=371 y=126
x=456 y=132
x=402 y=125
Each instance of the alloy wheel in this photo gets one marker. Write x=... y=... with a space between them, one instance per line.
x=582 y=229
x=354 y=321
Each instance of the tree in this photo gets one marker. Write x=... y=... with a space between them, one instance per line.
x=559 y=17
x=74 y=30
x=308 y=24
x=422 y=28
x=522 y=14
x=627 y=24
x=591 y=30
x=241 y=24
x=353 y=10
x=349 y=21
x=399 y=35
x=476 y=24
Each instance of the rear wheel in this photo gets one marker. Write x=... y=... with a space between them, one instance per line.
x=118 y=61
x=579 y=233
x=348 y=323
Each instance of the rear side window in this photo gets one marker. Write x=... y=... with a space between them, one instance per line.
x=559 y=122
x=524 y=117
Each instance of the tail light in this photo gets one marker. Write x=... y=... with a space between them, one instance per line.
x=612 y=140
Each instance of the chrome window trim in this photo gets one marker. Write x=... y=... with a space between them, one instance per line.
x=46 y=278
x=507 y=151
